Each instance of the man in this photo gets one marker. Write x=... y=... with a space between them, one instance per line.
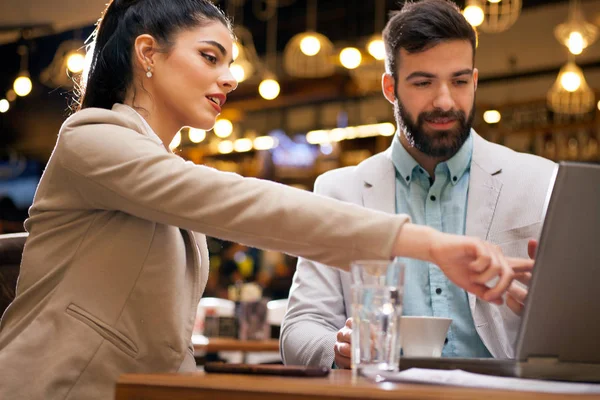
x=441 y=173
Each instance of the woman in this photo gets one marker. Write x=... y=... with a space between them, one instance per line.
x=116 y=259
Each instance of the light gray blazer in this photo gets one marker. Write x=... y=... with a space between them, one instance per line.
x=507 y=192
x=116 y=258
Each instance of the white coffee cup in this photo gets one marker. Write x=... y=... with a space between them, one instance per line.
x=423 y=336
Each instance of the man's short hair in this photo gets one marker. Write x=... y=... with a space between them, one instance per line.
x=421 y=25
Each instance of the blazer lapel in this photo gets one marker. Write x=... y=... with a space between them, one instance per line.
x=484 y=191
x=378 y=179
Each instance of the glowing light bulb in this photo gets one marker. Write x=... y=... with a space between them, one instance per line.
x=570 y=81
x=376 y=48
x=225 y=147
x=22 y=85
x=492 y=116
x=242 y=145
x=75 y=62
x=196 y=135
x=317 y=137
x=223 y=128
x=238 y=72
x=350 y=57
x=474 y=15
x=387 y=129
x=576 y=43
x=264 y=143
x=235 y=52
x=4 y=105
x=269 y=89
x=310 y=45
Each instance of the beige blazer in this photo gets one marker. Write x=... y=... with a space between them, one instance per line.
x=116 y=259
x=507 y=193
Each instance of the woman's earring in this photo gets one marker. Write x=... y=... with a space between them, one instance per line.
x=149 y=72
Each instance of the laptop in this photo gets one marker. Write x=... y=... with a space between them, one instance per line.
x=559 y=336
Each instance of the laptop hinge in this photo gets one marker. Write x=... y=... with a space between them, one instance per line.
x=542 y=360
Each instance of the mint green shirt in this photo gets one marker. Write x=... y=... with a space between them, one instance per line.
x=442 y=205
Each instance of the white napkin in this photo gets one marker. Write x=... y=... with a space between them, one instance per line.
x=459 y=377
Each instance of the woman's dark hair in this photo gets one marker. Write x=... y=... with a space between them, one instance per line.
x=422 y=25
x=110 y=72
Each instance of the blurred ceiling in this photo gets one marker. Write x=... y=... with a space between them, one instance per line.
x=344 y=18
x=45 y=17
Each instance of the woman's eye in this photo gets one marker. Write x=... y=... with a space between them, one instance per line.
x=212 y=59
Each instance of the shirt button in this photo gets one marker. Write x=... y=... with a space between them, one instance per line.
x=454 y=178
x=408 y=178
x=446 y=341
x=432 y=198
x=438 y=291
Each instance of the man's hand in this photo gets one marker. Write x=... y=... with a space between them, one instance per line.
x=342 y=348
x=517 y=294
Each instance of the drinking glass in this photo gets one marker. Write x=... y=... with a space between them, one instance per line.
x=377 y=290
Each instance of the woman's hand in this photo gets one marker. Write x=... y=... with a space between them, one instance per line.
x=468 y=262
x=517 y=293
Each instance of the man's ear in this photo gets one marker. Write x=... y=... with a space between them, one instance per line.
x=144 y=51
x=475 y=77
x=388 y=85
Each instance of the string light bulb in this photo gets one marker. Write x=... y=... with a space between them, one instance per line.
x=264 y=143
x=225 y=147
x=22 y=85
x=570 y=81
x=376 y=48
x=310 y=45
x=4 y=105
x=492 y=116
x=238 y=72
x=75 y=62
x=474 y=14
x=242 y=145
x=269 y=89
x=350 y=57
x=223 y=128
x=196 y=135
x=235 y=52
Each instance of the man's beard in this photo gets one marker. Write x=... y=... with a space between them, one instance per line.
x=439 y=144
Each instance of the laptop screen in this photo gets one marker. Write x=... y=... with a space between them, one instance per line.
x=562 y=313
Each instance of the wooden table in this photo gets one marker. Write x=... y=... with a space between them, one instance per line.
x=213 y=345
x=338 y=385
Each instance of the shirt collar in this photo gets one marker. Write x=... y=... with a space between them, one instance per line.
x=403 y=162
x=457 y=165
